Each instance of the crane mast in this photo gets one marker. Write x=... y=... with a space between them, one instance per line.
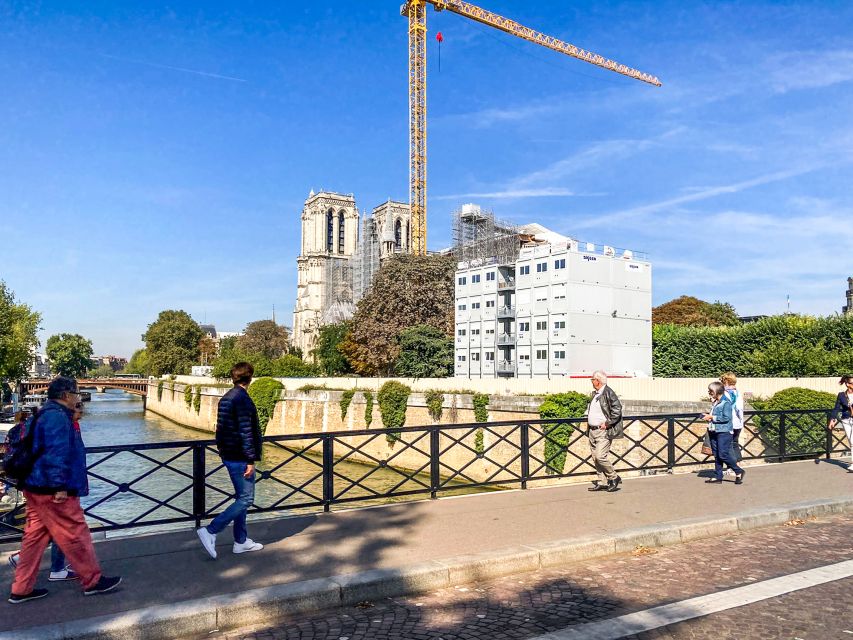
x=415 y=11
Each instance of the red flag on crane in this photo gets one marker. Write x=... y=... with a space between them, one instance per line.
x=440 y=38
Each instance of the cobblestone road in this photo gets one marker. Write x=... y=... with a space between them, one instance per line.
x=526 y=605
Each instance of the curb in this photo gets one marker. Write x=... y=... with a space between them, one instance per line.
x=199 y=617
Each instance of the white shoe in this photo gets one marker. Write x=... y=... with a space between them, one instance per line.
x=249 y=545
x=208 y=541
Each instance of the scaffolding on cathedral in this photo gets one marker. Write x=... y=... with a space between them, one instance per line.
x=367 y=257
x=478 y=236
x=338 y=298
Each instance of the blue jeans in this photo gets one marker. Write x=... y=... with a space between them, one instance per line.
x=57 y=558
x=721 y=445
x=244 y=494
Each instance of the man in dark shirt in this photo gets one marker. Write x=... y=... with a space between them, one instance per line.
x=238 y=438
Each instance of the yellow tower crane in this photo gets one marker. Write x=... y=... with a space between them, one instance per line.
x=415 y=11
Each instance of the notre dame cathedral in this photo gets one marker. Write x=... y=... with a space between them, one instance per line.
x=339 y=258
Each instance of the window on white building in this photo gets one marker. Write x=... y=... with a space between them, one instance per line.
x=461 y=358
x=560 y=264
x=524 y=326
x=490 y=356
x=490 y=332
x=542 y=326
x=541 y=354
x=475 y=305
x=462 y=307
x=525 y=270
x=461 y=332
x=490 y=276
x=475 y=332
x=559 y=355
x=541 y=267
x=560 y=324
x=475 y=278
x=524 y=356
x=462 y=280
x=490 y=303
x=475 y=357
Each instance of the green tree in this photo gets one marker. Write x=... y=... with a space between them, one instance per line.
x=407 y=290
x=70 y=354
x=288 y=366
x=172 y=343
x=138 y=363
x=266 y=338
x=104 y=371
x=690 y=311
x=560 y=405
x=425 y=352
x=19 y=326
x=206 y=349
x=265 y=393
x=329 y=357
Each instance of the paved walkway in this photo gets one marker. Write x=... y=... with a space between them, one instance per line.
x=169 y=568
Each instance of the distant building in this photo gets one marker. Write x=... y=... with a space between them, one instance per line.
x=116 y=363
x=39 y=366
x=748 y=319
x=557 y=308
x=209 y=330
x=336 y=264
x=203 y=371
x=848 y=308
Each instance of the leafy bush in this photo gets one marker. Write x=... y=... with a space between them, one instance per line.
x=560 y=405
x=435 y=402
x=197 y=399
x=778 y=346
x=265 y=393
x=188 y=396
x=346 y=398
x=368 y=408
x=425 y=352
x=160 y=391
x=479 y=447
x=393 y=399
x=804 y=434
x=481 y=407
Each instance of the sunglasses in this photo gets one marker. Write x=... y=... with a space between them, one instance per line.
x=79 y=406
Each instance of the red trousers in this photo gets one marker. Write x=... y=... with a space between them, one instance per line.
x=65 y=524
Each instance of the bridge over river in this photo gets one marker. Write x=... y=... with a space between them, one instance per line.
x=135 y=386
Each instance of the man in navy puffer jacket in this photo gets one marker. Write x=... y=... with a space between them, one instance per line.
x=53 y=490
x=238 y=438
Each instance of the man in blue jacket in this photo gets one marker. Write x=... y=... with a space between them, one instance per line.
x=238 y=438
x=53 y=489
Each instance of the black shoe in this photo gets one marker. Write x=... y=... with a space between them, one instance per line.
x=598 y=487
x=35 y=594
x=613 y=485
x=104 y=584
x=739 y=479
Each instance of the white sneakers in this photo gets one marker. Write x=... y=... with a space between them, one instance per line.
x=208 y=541
x=249 y=545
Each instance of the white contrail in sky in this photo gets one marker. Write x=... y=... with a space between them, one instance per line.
x=206 y=74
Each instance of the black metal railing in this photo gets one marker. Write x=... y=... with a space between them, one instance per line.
x=156 y=484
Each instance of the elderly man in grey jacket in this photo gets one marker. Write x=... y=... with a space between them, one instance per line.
x=604 y=419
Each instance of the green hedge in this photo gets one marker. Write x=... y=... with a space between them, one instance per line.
x=160 y=391
x=560 y=405
x=346 y=399
x=778 y=346
x=804 y=434
x=265 y=393
x=197 y=399
x=393 y=400
x=435 y=404
x=188 y=396
x=368 y=408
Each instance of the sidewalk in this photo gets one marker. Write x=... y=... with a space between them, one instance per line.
x=167 y=569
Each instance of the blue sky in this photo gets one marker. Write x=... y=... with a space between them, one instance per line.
x=158 y=157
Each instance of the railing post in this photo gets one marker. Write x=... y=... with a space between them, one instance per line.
x=525 y=454
x=670 y=443
x=199 y=484
x=829 y=439
x=434 y=467
x=783 y=440
x=328 y=472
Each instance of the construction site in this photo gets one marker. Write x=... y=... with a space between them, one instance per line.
x=342 y=248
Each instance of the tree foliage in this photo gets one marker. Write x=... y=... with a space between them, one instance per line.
x=560 y=405
x=805 y=434
x=172 y=342
x=19 y=326
x=104 y=371
x=138 y=363
x=693 y=312
x=287 y=366
x=408 y=290
x=206 y=350
x=70 y=354
x=393 y=400
x=425 y=352
x=327 y=354
x=265 y=338
x=265 y=393
x=778 y=346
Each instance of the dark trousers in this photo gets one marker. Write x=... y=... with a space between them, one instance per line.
x=721 y=445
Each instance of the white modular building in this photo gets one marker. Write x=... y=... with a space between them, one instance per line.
x=560 y=309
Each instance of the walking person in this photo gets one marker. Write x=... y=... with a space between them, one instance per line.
x=604 y=423
x=729 y=380
x=53 y=489
x=720 y=431
x=60 y=571
x=238 y=438
x=843 y=413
